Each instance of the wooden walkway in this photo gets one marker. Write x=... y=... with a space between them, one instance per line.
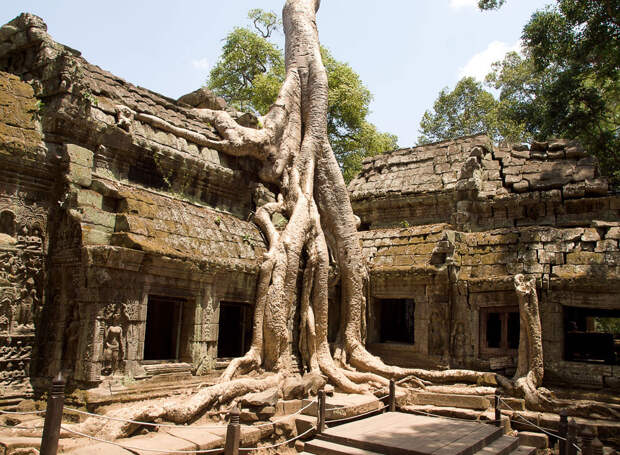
x=396 y=433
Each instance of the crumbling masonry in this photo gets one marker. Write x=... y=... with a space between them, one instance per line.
x=127 y=246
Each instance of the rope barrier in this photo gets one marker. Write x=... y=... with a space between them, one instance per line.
x=17 y=427
x=549 y=433
x=418 y=411
x=21 y=412
x=286 y=417
x=195 y=427
x=356 y=416
x=272 y=446
x=84 y=435
x=137 y=422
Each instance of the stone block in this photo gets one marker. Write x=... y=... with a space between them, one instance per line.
x=556 y=155
x=590 y=235
x=92 y=236
x=532 y=439
x=585 y=257
x=89 y=198
x=606 y=246
x=574 y=190
x=613 y=233
x=558 y=144
x=597 y=187
x=79 y=155
x=80 y=175
x=539 y=146
x=99 y=217
x=452 y=400
x=521 y=187
x=575 y=151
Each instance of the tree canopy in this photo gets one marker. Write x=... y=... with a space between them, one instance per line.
x=251 y=70
x=565 y=84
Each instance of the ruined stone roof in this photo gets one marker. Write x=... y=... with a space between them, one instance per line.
x=425 y=169
x=135 y=171
x=475 y=185
x=157 y=224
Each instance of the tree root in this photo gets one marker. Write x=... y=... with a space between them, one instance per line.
x=177 y=411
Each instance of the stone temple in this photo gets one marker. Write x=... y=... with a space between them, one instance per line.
x=127 y=247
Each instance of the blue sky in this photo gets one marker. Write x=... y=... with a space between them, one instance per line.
x=405 y=51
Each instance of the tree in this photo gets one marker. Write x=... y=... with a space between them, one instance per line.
x=251 y=70
x=321 y=234
x=571 y=86
x=468 y=109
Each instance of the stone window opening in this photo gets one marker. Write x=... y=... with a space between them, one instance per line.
x=7 y=223
x=162 y=340
x=499 y=331
x=235 y=329
x=592 y=335
x=396 y=320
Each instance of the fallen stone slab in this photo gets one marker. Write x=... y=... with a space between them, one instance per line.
x=342 y=405
x=268 y=397
x=452 y=400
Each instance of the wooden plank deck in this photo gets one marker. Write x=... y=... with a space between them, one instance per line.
x=407 y=434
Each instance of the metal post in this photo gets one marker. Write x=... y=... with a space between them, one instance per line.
x=587 y=436
x=571 y=440
x=233 y=433
x=320 y=426
x=563 y=430
x=53 y=416
x=498 y=411
x=392 y=398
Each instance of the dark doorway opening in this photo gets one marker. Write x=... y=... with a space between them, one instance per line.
x=163 y=328
x=235 y=329
x=499 y=331
x=592 y=335
x=397 y=318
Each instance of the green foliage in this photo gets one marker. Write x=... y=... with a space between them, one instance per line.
x=468 y=109
x=608 y=325
x=247 y=239
x=404 y=224
x=567 y=85
x=490 y=4
x=251 y=70
x=248 y=62
x=37 y=111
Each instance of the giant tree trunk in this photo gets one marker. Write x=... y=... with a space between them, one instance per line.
x=298 y=158
x=321 y=232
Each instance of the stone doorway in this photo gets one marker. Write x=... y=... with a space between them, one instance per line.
x=163 y=328
x=397 y=320
x=235 y=329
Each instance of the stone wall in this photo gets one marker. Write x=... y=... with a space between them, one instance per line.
x=131 y=203
x=25 y=179
x=476 y=186
x=450 y=224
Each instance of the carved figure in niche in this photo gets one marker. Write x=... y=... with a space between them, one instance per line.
x=72 y=335
x=112 y=352
x=124 y=117
x=23 y=320
x=22 y=236
x=458 y=343
x=436 y=337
